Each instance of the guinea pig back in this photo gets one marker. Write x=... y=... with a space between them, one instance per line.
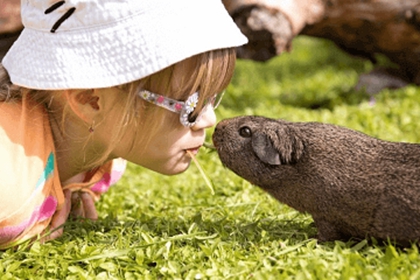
x=352 y=184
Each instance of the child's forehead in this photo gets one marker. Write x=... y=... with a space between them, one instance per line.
x=195 y=75
x=207 y=73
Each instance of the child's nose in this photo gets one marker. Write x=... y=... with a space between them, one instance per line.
x=207 y=119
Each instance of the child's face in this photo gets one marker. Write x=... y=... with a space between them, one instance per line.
x=166 y=151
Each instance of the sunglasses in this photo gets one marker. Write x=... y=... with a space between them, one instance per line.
x=185 y=109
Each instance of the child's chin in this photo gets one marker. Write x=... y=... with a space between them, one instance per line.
x=180 y=168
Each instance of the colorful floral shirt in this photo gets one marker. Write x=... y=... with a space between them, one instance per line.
x=30 y=189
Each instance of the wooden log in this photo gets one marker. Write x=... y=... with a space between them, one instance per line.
x=10 y=21
x=10 y=24
x=365 y=28
x=360 y=27
x=270 y=25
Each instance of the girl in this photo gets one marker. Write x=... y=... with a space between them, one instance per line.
x=90 y=84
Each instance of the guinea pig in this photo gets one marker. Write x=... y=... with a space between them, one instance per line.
x=353 y=185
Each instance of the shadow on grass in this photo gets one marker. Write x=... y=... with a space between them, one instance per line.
x=157 y=231
x=340 y=97
x=162 y=229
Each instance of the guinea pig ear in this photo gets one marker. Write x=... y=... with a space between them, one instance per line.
x=264 y=149
x=276 y=147
x=289 y=144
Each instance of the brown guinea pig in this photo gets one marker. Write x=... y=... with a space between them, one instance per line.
x=352 y=184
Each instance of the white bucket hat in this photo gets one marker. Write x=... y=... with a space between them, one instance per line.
x=103 y=43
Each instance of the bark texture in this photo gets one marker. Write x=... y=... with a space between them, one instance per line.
x=10 y=24
x=360 y=27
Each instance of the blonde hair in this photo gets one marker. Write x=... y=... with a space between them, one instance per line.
x=209 y=73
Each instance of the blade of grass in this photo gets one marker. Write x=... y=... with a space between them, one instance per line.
x=203 y=174
x=209 y=146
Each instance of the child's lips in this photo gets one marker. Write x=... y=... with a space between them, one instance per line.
x=194 y=150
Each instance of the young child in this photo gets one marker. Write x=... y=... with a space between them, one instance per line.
x=92 y=83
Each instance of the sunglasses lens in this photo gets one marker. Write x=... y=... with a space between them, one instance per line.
x=193 y=116
x=215 y=101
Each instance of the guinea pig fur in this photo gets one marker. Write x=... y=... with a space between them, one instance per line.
x=352 y=184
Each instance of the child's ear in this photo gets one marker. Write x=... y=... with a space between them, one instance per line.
x=86 y=103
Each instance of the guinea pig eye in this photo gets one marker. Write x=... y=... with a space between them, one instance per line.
x=245 y=132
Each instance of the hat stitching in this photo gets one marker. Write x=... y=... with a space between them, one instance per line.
x=62 y=18
x=60 y=21
x=54 y=7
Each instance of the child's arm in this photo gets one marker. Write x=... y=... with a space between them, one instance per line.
x=59 y=218
x=76 y=204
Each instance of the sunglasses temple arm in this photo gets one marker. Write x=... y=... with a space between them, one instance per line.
x=166 y=101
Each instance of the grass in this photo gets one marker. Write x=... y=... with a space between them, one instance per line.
x=157 y=227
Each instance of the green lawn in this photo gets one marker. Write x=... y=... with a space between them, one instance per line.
x=157 y=227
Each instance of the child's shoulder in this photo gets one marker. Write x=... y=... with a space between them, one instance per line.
x=26 y=143
x=27 y=168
